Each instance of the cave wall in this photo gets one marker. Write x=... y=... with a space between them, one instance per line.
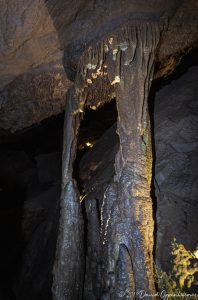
x=30 y=184
x=176 y=185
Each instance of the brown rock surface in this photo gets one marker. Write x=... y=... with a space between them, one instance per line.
x=36 y=35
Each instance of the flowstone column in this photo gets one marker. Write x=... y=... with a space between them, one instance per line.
x=69 y=264
x=134 y=159
x=121 y=66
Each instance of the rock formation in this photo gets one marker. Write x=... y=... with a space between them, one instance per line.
x=122 y=223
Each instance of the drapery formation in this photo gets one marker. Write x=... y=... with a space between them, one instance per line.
x=120 y=66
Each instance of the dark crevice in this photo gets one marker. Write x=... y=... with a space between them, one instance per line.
x=92 y=127
x=98 y=210
x=94 y=124
x=151 y=105
x=189 y=60
x=40 y=138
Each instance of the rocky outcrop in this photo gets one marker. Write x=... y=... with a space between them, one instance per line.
x=33 y=83
x=28 y=38
x=33 y=97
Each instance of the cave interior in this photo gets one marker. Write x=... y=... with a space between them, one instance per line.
x=92 y=206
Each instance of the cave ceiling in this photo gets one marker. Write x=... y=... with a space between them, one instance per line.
x=41 y=43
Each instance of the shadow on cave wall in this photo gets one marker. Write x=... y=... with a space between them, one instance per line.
x=92 y=127
x=175 y=187
x=30 y=177
x=188 y=61
x=13 y=195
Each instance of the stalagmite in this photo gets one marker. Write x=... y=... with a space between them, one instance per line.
x=120 y=66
